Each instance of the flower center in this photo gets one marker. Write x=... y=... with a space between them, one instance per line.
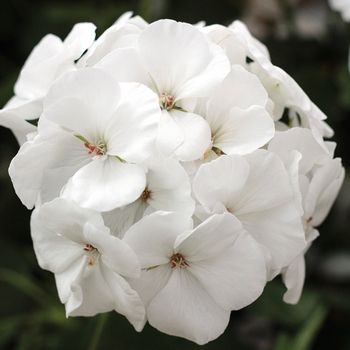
x=99 y=149
x=91 y=254
x=178 y=260
x=166 y=101
x=145 y=195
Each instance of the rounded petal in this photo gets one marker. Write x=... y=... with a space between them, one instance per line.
x=83 y=101
x=115 y=254
x=186 y=64
x=132 y=130
x=104 y=185
x=184 y=309
x=196 y=133
x=153 y=237
x=226 y=260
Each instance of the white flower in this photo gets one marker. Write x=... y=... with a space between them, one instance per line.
x=87 y=261
x=177 y=62
x=102 y=133
x=193 y=278
x=237 y=116
x=167 y=188
x=319 y=178
x=49 y=59
x=123 y=33
x=256 y=188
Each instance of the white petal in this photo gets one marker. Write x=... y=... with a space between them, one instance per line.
x=266 y=227
x=90 y=293
x=196 y=132
x=132 y=130
x=225 y=260
x=324 y=188
x=115 y=254
x=183 y=308
x=219 y=180
x=54 y=251
x=153 y=237
x=239 y=89
x=186 y=65
x=242 y=132
x=151 y=282
x=106 y=184
x=170 y=134
x=83 y=101
x=169 y=186
x=294 y=280
x=126 y=301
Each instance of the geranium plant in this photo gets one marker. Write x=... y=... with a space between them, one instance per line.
x=165 y=183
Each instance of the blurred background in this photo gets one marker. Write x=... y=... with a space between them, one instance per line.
x=306 y=39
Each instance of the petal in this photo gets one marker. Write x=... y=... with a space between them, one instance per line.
x=170 y=134
x=242 y=132
x=126 y=301
x=106 y=184
x=83 y=101
x=169 y=186
x=294 y=280
x=90 y=293
x=196 y=133
x=153 y=237
x=186 y=64
x=236 y=277
x=116 y=255
x=183 y=308
x=151 y=282
x=67 y=219
x=323 y=190
x=267 y=186
x=239 y=89
x=303 y=141
x=132 y=130
x=220 y=180
x=225 y=259
x=266 y=227
x=125 y=65
x=62 y=152
x=53 y=251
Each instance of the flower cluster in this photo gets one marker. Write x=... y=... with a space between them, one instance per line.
x=174 y=171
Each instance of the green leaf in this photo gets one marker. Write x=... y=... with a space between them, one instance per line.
x=308 y=332
x=25 y=285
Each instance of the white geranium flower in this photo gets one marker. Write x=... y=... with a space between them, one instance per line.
x=49 y=59
x=193 y=278
x=256 y=188
x=282 y=89
x=167 y=188
x=103 y=133
x=89 y=264
x=177 y=62
x=123 y=33
x=237 y=116
x=319 y=178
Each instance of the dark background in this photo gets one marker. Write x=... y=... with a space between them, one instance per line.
x=306 y=39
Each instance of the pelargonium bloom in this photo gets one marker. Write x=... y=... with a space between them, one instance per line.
x=93 y=138
x=51 y=58
x=256 y=188
x=177 y=62
x=167 y=188
x=193 y=278
x=89 y=264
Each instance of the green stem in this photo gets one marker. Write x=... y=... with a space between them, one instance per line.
x=98 y=331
